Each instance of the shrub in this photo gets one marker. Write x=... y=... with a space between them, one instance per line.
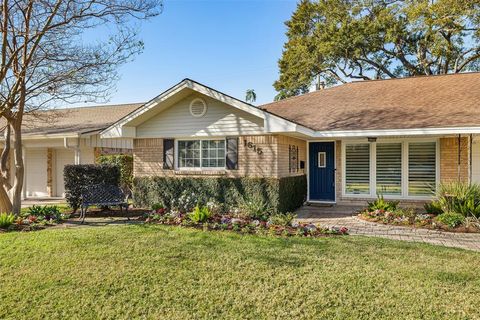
x=433 y=207
x=80 y=176
x=282 y=195
x=186 y=202
x=45 y=212
x=125 y=164
x=381 y=204
x=200 y=214
x=256 y=208
x=282 y=219
x=451 y=219
x=6 y=220
x=460 y=197
x=157 y=206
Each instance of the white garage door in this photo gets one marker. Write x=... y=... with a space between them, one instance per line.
x=62 y=158
x=36 y=173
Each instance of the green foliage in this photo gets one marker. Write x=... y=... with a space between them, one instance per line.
x=250 y=96
x=200 y=214
x=451 y=219
x=433 y=207
x=460 y=197
x=80 y=176
x=157 y=206
x=45 y=212
x=125 y=163
x=381 y=204
x=256 y=208
x=364 y=39
x=282 y=219
x=282 y=195
x=6 y=220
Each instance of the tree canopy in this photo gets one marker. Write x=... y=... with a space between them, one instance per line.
x=58 y=52
x=342 y=40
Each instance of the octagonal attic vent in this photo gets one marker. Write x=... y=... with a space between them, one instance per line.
x=198 y=107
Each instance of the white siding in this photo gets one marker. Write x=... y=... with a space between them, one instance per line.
x=476 y=161
x=36 y=172
x=117 y=143
x=220 y=119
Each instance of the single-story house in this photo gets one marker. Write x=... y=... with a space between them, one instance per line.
x=55 y=138
x=399 y=138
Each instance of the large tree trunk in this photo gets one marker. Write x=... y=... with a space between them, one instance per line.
x=5 y=201
x=19 y=167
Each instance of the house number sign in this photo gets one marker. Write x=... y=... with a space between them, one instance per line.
x=253 y=146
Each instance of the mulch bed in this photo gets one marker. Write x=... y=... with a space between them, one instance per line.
x=428 y=224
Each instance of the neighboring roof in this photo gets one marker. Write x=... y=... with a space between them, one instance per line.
x=441 y=101
x=75 y=120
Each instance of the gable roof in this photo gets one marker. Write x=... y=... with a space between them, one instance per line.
x=73 y=121
x=125 y=127
x=443 y=101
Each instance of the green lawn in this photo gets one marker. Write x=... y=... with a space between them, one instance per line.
x=141 y=271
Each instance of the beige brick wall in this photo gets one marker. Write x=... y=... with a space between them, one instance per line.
x=148 y=157
x=271 y=162
x=283 y=144
x=449 y=159
x=50 y=155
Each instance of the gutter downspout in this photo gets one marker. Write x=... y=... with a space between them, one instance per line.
x=470 y=165
x=459 y=157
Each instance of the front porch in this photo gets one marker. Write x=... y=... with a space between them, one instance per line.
x=352 y=170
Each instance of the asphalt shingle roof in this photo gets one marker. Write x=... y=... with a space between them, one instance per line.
x=75 y=120
x=407 y=103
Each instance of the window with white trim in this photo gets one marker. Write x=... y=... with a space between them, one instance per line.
x=357 y=168
x=389 y=168
x=208 y=154
x=422 y=166
x=398 y=168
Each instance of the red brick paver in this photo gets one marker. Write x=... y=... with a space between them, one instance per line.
x=344 y=216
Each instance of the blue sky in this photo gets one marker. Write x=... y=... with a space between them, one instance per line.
x=230 y=45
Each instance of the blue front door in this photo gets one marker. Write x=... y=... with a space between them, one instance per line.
x=321 y=171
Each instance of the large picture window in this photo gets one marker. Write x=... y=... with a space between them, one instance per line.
x=397 y=169
x=201 y=154
x=389 y=168
x=357 y=168
x=421 y=168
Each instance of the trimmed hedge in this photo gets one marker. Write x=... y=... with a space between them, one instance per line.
x=79 y=176
x=283 y=195
x=125 y=164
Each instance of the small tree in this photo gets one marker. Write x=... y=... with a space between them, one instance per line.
x=47 y=60
x=374 y=39
x=250 y=96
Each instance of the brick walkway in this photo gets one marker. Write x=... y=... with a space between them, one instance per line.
x=343 y=216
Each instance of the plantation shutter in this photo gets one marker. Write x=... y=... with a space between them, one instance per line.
x=421 y=168
x=168 y=154
x=232 y=153
x=357 y=168
x=389 y=168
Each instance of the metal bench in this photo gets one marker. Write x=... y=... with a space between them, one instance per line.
x=103 y=195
